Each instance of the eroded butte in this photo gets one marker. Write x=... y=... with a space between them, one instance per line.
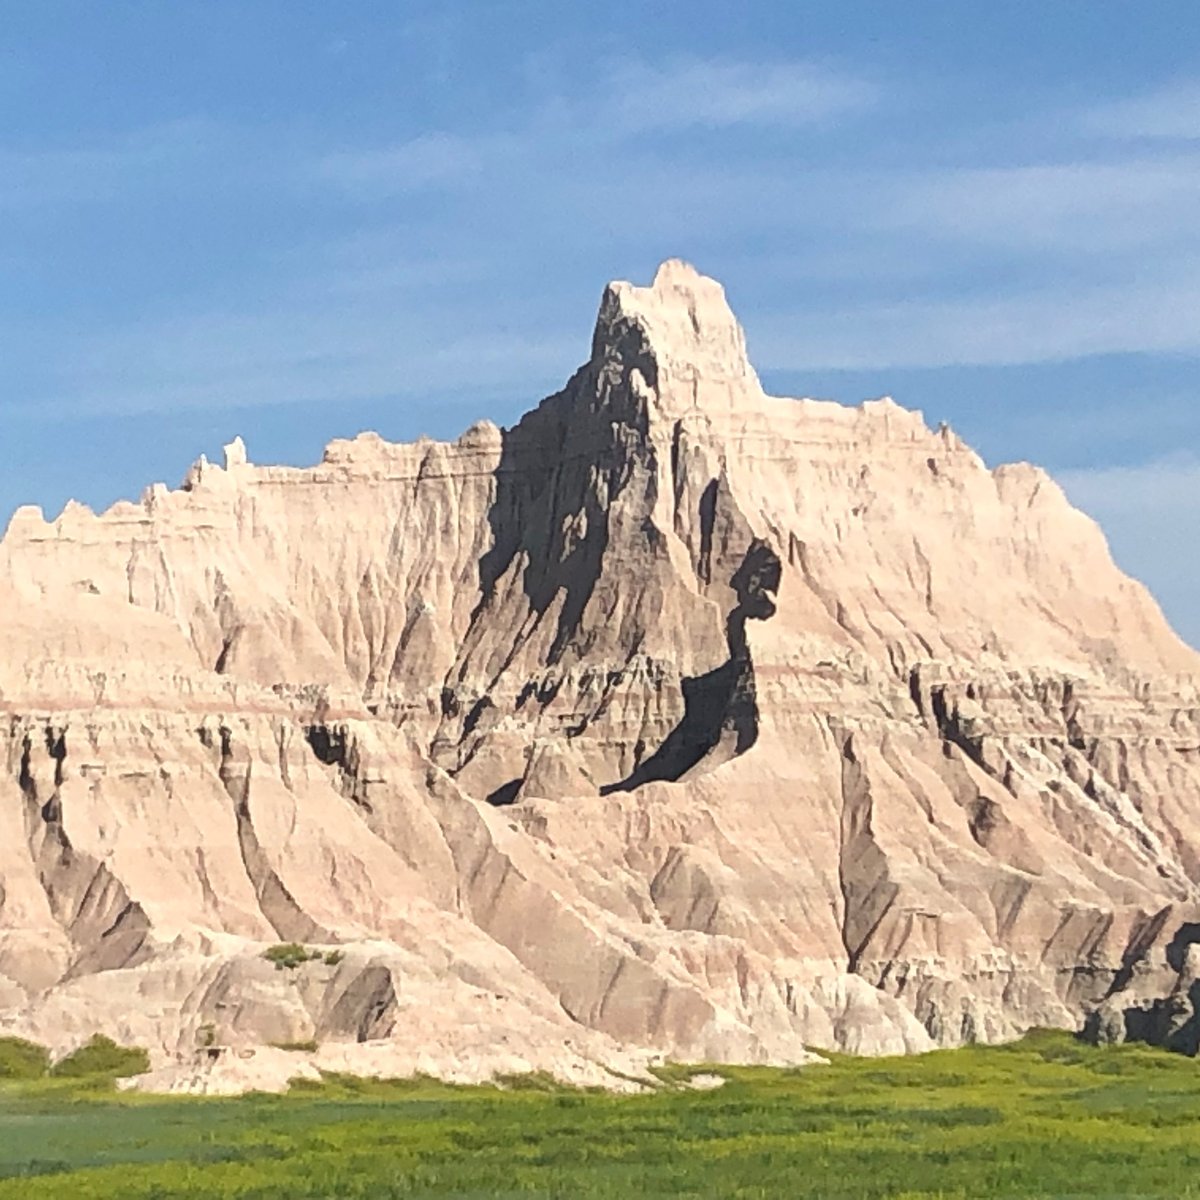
x=676 y=720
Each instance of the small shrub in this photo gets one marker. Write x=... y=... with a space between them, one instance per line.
x=305 y=1047
x=20 y=1059
x=333 y=958
x=289 y=955
x=102 y=1057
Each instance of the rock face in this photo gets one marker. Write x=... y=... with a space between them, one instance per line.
x=677 y=719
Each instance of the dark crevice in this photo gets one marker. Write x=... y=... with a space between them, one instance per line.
x=708 y=516
x=476 y=714
x=951 y=729
x=984 y=817
x=723 y=701
x=275 y=901
x=505 y=794
x=868 y=894
x=366 y=1010
x=222 y=662
x=1145 y=935
x=914 y=691
x=334 y=747
x=1187 y=935
x=328 y=744
x=108 y=930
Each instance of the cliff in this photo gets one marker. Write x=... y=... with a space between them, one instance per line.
x=676 y=720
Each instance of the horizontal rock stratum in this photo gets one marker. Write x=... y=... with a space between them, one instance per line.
x=676 y=720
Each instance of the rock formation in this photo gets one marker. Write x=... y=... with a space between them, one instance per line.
x=677 y=719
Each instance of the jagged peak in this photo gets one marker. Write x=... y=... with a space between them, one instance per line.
x=235 y=454
x=688 y=329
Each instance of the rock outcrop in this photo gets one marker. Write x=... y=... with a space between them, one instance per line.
x=677 y=719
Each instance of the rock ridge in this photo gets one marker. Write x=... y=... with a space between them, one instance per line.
x=677 y=719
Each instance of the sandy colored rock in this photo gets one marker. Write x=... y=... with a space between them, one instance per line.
x=677 y=720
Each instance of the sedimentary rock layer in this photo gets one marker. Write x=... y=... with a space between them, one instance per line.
x=677 y=719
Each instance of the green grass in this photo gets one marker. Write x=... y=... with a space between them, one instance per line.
x=20 y=1059
x=1045 y=1117
x=102 y=1058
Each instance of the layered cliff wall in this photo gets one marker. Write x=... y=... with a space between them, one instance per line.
x=676 y=719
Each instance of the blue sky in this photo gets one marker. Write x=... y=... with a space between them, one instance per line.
x=296 y=220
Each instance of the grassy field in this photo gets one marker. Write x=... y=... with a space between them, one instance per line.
x=1045 y=1117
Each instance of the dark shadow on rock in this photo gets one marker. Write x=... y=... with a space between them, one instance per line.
x=366 y=1009
x=108 y=930
x=1188 y=934
x=505 y=794
x=560 y=468
x=950 y=727
x=1170 y=1022
x=724 y=699
x=1144 y=936
x=708 y=517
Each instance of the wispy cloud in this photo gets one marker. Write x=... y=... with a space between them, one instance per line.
x=971 y=264
x=1169 y=485
x=142 y=159
x=1032 y=326
x=689 y=93
x=628 y=99
x=1093 y=205
x=332 y=351
x=430 y=160
x=1171 y=112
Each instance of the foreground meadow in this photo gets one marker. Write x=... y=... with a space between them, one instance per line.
x=1044 y=1117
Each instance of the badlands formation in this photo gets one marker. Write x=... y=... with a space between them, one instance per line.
x=677 y=720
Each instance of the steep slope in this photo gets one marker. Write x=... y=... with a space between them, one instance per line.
x=677 y=719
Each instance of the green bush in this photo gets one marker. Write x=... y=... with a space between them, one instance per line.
x=102 y=1057
x=20 y=1059
x=308 y=1046
x=289 y=955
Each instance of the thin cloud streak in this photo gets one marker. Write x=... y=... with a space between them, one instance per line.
x=631 y=99
x=1169 y=113
x=429 y=160
x=1119 y=233
x=1105 y=206
x=227 y=361
x=149 y=158
x=698 y=93
x=1169 y=484
x=1073 y=321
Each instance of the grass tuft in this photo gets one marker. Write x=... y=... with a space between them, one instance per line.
x=287 y=956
